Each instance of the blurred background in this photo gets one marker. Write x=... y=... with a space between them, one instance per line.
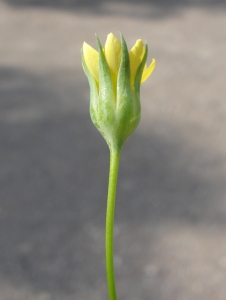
x=170 y=241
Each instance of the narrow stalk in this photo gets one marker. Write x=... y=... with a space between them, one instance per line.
x=112 y=184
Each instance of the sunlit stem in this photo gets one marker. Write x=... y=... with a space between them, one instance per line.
x=113 y=175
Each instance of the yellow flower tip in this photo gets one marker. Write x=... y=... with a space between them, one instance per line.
x=91 y=59
x=136 y=55
x=112 y=52
x=147 y=71
x=112 y=43
x=111 y=36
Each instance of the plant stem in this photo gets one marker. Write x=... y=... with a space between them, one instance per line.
x=112 y=184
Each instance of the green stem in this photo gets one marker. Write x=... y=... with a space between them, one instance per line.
x=113 y=175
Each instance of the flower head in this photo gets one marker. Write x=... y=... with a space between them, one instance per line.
x=115 y=76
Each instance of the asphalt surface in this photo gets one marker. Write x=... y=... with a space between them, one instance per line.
x=170 y=231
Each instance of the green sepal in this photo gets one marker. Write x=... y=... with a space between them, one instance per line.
x=124 y=102
x=123 y=80
x=106 y=90
x=130 y=109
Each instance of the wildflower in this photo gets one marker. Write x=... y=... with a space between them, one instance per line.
x=115 y=76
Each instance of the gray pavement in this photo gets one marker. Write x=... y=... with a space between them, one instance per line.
x=170 y=232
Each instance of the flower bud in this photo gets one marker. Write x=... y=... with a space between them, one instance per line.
x=115 y=76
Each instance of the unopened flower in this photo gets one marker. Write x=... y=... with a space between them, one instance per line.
x=115 y=76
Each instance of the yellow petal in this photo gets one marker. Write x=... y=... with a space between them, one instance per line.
x=91 y=57
x=136 y=54
x=112 y=51
x=147 y=71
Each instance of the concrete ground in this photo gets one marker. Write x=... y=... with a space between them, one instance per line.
x=170 y=231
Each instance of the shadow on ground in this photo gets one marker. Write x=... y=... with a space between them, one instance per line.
x=54 y=167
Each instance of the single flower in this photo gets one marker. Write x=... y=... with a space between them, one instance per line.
x=115 y=76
